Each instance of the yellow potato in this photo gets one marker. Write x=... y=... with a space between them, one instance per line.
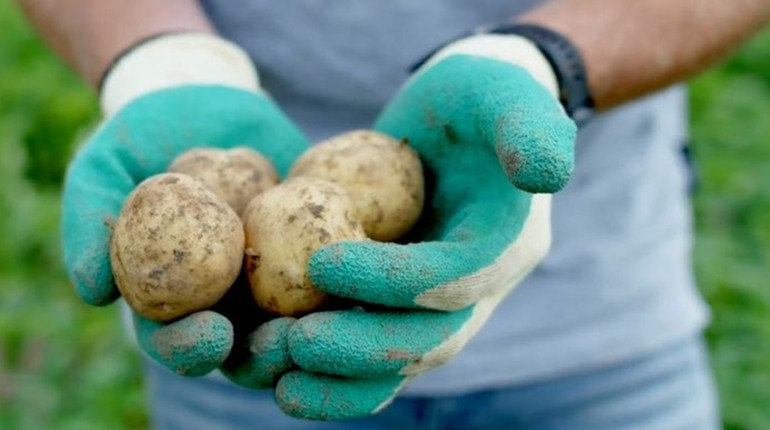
x=176 y=247
x=236 y=175
x=383 y=175
x=284 y=226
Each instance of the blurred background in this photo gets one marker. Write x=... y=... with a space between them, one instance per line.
x=64 y=365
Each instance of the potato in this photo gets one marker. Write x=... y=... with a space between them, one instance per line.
x=383 y=175
x=176 y=247
x=236 y=175
x=284 y=226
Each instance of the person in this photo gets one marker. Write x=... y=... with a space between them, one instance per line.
x=601 y=332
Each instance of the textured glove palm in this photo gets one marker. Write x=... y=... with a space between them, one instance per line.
x=479 y=126
x=141 y=140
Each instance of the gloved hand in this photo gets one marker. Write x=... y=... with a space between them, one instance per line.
x=166 y=96
x=484 y=118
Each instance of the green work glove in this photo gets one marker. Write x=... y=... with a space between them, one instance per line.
x=489 y=131
x=166 y=96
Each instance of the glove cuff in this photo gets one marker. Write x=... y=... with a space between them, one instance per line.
x=513 y=49
x=172 y=60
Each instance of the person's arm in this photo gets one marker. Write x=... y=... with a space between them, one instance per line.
x=89 y=34
x=631 y=48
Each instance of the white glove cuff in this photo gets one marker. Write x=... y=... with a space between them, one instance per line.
x=174 y=60
x=511 y=48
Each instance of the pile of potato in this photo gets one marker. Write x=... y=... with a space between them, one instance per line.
x=183 y=237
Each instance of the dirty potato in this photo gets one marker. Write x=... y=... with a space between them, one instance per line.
x=284 y=226
x=236 y=175
x=383 y=175
x=176 y=247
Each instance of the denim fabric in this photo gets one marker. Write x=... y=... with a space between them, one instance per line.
x=669 y=390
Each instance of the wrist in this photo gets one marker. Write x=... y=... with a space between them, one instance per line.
x=171 y=60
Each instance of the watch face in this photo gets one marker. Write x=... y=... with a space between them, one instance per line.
x=582 y=116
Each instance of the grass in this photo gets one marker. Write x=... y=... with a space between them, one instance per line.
x=64 y=365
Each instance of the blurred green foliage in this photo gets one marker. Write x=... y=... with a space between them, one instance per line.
x=731 y=139
x=66 y=366
x=63 y=365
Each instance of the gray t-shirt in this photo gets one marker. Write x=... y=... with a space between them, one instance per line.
x=618 y=282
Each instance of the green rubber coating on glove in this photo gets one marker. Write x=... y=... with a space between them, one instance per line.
x=141 y=140
x=487 y=134
x=320 y=397
x=464 y=117
x=192 y=346
x=466 y=100
x=266 y=357
x=395 y=275
x=360 y=344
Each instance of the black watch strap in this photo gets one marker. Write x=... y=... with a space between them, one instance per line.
x=566 y=61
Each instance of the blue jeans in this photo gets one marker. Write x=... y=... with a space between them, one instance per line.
x=669 y=390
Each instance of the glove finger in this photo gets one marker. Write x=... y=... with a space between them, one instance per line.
x=263 y=358
x=312 y=396
x=487 y=245
x=192 y=346
x=504 y=109
x=89 y=211
x=360 y=344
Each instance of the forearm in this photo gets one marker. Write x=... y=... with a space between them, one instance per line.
x=634 y=47
x=88 y=34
